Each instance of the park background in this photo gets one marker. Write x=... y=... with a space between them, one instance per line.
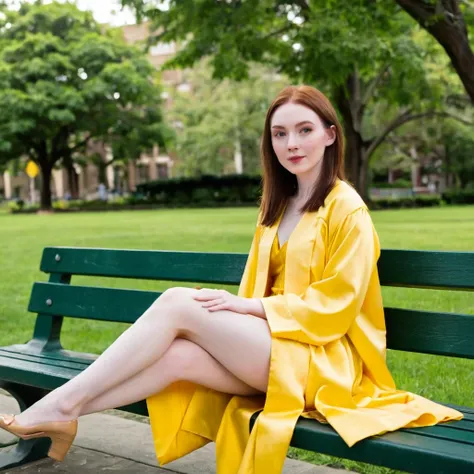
x=161 y=120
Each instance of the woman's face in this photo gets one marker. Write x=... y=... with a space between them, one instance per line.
x=299 y=139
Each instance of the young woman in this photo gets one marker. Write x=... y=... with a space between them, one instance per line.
x=305 y=336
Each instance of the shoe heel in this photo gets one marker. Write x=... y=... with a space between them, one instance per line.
x=59 y=447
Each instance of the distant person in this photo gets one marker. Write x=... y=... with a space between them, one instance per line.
x=102 y=192
x=305 y=336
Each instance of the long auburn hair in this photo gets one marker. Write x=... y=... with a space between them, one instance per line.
x=278 y=183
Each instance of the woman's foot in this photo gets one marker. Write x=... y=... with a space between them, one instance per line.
x=62 y=433
x=45 y=411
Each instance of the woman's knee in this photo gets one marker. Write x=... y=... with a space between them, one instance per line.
x=171 y=303
x=182 y=358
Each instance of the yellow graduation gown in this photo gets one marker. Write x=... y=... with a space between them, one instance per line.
x=327 y=356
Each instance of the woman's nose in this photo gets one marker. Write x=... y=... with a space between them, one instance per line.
x=292 y=142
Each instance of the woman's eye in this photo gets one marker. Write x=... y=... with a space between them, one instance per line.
x=279 y=134
x=306 y=130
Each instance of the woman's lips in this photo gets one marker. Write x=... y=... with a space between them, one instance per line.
x=296 y=159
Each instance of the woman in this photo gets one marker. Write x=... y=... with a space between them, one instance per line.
x=305 y=336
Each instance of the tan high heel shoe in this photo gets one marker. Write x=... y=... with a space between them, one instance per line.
x=62 y=434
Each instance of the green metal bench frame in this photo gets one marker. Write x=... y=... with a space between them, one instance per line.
x=30 y=370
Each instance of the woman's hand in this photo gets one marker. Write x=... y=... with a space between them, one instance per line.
x=217 y=300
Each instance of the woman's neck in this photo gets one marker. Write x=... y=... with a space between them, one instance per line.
x=305 y=188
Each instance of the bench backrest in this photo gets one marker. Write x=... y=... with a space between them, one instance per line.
x=407 y=329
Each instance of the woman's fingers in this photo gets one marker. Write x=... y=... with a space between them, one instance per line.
x=214 y=302
x=220 y=307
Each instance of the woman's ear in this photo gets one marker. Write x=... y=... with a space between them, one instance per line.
x=330 y=135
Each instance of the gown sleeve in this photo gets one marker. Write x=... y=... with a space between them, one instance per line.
x=328 y=307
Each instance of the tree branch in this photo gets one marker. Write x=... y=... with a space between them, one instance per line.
x=403 y=118
x=81 y=144
x=444 y=21
x=369 y=92
x=277 y=32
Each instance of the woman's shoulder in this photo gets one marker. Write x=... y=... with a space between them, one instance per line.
x=342 y=201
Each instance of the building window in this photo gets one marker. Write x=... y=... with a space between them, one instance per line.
x=162 y=169
x=142 y=174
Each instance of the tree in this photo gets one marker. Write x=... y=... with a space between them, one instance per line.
x=357 y=52
x=65 y=81
x=220 y=122
x=444 y=20
x=459 y=152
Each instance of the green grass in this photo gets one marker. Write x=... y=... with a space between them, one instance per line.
x=22 y=238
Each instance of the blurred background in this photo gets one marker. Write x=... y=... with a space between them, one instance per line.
x=138 y=102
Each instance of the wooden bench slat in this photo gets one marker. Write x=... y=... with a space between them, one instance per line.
x=102 y=304
x=416 y=331
x=25 y=372
x=464 y=424
x=222 y=268
x=429 y=332
x=427 y=269
x=406 y=268
x=410 y=452
x=60 y=362
x=448 y=433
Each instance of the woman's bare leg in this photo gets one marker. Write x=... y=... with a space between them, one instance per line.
x=239 y=342
x=184 y=360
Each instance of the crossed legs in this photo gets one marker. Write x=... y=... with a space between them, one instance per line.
x=175 y=339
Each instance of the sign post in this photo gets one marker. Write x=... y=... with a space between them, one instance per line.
x=32 y=171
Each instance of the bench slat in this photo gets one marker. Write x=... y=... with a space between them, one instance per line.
x=223 y=268
x=427 y=269
x=102 y=304
x=430 y=333
x=410 y=452
x=415 y=331
x=61 y=362
x=406 y=268
x=447 y=433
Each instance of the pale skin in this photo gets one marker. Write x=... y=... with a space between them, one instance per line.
x=209 y=337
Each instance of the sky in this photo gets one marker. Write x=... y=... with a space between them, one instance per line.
x=107 y=11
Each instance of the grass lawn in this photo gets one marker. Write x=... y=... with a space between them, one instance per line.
x=22 y=238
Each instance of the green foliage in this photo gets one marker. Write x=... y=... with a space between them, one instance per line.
x=319 y=42
x=462 y=196
x=397 y=184
x=403 y=203
x=217 y=117
x=66 y=80
x=459 y=142
x=207 y=189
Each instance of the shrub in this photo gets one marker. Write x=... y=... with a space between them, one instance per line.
x=461 y=196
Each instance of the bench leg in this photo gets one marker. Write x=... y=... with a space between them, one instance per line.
x=24 y=451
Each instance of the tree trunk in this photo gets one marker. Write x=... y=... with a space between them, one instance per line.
x=46 y=171
x=356 y=162
x=72 y=177
x=102 y=172
x=449 y=29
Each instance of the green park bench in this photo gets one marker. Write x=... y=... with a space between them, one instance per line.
x=28 y=371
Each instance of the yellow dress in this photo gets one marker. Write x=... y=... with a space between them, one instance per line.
x=322 y=299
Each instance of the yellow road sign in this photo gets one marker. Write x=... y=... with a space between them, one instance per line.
x=32 y=169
